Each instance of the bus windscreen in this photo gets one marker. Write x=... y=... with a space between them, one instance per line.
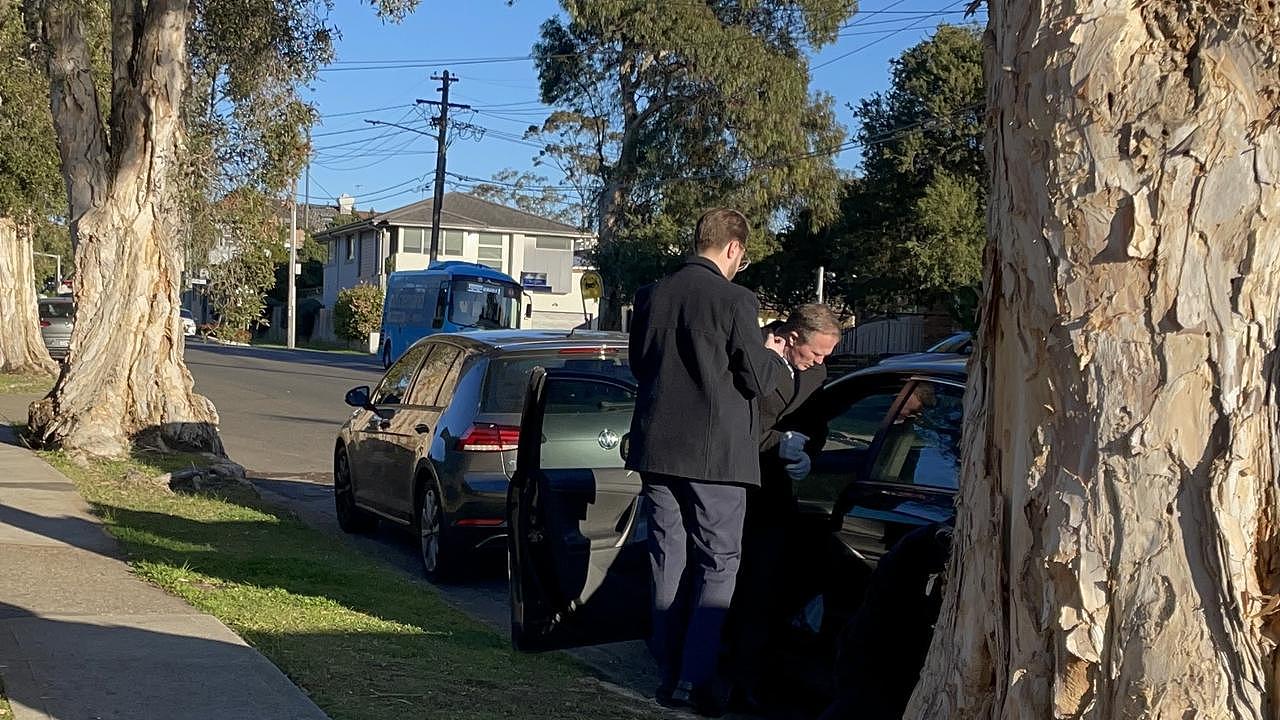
x=484 y=304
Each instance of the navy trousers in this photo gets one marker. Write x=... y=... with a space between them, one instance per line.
x=695 y=546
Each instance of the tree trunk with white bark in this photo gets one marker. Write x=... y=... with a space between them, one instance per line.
x=21 y=348
x=126 y=377
x=1118 y=531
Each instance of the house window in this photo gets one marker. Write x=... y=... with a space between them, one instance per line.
x=414 y=240
x=553 y=243
x=351 y=249
x=490 y=251
x=451 y=243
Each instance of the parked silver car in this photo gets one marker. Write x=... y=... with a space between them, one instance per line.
x=433 y=446
x=57 y=317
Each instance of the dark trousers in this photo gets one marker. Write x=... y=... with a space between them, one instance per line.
x=756 y=615
x=695 y=545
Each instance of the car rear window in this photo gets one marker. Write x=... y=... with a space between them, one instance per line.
x=508 y=376
x=49 y=309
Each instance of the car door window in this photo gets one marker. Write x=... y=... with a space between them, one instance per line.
x=921 y=446
x=430 y=388
x=854 y=416
x=396 y=382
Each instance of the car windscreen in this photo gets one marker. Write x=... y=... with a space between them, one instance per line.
x=508 y=376
x=954 y=344
x=50 y=309
x=481 y=304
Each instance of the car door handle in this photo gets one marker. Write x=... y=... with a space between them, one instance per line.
x=421 y=429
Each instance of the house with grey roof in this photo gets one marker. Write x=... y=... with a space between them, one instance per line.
x=537 y=252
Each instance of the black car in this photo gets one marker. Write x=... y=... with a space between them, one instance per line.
x=885 y=461
x=433 y=446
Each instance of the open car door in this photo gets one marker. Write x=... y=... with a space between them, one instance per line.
x=577 y=552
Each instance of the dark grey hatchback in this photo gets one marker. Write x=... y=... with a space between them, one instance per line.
x=433 y=446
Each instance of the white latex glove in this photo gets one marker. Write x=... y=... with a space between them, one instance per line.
x=791 y=447
x=799 y=469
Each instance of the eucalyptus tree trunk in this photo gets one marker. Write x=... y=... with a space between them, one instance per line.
x=1117 y=549
x=21 y=348
x=126 y=376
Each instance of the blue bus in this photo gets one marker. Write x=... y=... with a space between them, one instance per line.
x=447 y=297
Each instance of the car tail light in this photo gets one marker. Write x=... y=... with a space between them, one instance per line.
x=490 y=438
x=45 y=323
x=479 y=522
x=589 y=351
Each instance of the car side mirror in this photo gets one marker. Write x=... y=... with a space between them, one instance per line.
x=528 y=311
x=624 y=447
x=358 y=397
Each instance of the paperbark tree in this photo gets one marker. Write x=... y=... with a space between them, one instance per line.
x=30 y=191
x=121 y=148
x=21 y=348
x=1117 y=549
x=125 y=370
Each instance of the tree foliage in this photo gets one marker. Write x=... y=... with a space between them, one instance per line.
x=665 y=109
x=357 y=312
x=912 y=226
x=251 y=247
x=528 y=191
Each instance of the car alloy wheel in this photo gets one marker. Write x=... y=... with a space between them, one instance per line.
x=350 y=518
x=430 y=522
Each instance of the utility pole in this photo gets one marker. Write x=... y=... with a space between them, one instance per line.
x=442 y=132
x=293 y=265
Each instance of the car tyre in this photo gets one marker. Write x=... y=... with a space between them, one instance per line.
x=438 y=557
x=386 y=356
x=350 y=517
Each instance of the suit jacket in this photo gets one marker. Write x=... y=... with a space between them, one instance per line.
x=776 y=413
x=696 y=353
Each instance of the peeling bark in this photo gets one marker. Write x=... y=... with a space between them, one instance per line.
x=21 y=347
x=1116 y=546
x=126 y=376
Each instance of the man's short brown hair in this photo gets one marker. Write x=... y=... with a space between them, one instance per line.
x=718 y=227
x=812 y=319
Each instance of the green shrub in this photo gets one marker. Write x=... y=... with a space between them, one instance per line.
x=357 y=312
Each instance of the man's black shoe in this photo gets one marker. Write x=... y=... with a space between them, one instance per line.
x=672 y=695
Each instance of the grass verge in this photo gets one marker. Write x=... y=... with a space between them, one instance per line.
x=6 y=712
x=17 y=383
x=363 y=641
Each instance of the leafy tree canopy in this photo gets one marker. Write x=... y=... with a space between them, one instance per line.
x=665 y=109
x=911 y=227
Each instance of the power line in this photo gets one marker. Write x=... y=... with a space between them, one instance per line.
x=879 y=40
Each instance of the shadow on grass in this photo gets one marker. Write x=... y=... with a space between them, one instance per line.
x=363 y=640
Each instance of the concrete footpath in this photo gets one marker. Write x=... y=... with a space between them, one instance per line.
x=81 y=638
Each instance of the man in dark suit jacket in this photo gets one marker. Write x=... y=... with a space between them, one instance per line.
x=811 y=334
x=696 y=353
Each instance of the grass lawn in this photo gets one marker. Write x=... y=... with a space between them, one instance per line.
x=361 y=639
x=12 y=384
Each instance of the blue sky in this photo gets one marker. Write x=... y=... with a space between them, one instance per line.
x=380 y=69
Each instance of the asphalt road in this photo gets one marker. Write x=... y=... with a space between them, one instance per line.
x=279 y=410
x=279 y=413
